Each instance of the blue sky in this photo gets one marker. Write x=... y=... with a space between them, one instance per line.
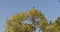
x=50 y=8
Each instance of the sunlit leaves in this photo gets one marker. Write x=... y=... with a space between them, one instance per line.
x=30 y=27
x=48 y=27
x=32 y=11
x=16 y=22
x=22 y=16
x=15 y=17
x=43 y=22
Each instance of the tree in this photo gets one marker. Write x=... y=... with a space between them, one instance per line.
x=37 y=20
x=16 y=23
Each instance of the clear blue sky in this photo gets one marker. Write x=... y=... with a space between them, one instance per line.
x=51 y=8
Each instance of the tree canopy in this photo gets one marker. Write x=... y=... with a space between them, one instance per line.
x=17 y=22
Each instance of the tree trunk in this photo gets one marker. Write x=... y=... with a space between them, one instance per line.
x=34 y=28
